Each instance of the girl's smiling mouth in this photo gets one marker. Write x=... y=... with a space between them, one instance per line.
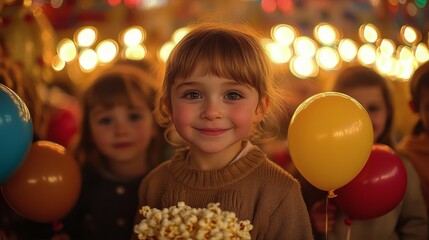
x=211 y=131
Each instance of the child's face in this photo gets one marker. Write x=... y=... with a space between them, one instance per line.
x=214 y=114
x=122 y=133
x=371 y=98
x=423 y=110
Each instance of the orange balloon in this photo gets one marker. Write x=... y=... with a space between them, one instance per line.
x=46 y=186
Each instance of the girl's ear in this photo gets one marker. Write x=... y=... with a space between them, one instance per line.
x=412 y=106
x=261 y=110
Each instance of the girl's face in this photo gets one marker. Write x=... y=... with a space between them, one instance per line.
x=423 y=110
x=122 y=133
x=371 y=98
x=214 y=114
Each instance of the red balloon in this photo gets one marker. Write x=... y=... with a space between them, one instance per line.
x=62 y=127
x=377 y=189
x=46 y=186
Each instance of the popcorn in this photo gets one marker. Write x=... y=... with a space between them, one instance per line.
x=185 y=223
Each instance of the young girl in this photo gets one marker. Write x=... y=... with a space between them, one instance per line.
x=408 y=220
x=120 y=143
x=217 y=94
x=416 y=145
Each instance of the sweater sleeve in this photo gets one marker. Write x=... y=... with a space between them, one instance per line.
x=290 y=220
x=413 y=220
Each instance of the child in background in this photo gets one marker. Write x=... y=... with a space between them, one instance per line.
x=120 y=143
x=416 y=145
x=218 y=95
x=408 y=220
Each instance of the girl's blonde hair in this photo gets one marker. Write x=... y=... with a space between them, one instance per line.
x=226 y=50
x=121 y=85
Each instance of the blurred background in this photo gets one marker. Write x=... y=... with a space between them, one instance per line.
x=62 y=44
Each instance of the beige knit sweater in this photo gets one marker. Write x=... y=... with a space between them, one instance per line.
x=253 y=187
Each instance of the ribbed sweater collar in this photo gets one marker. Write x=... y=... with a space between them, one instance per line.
x=199 y=179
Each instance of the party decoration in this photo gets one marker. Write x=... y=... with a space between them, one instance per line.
x=46 y=186
x=16 y=132
x=330 y=137
x=377 y=189
x=29 y=38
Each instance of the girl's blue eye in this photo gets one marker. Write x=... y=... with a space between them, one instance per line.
x=233 y=96
x=192 y=95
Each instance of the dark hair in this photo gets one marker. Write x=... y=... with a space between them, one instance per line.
x=361 y=76
x=419 y=81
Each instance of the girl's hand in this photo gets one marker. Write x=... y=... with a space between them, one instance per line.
x=318 y=216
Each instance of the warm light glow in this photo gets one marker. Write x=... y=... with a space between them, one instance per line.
x=305 y=47
x=66 y=50
x=327 y=58
x=421 y=53
x=326 y=34
x=165 y=51
x=137 y=52
x=385 y=64
x=410 y=35
x=387 y=47
x=86 y=36
x=405 y=53
x=133 y=36
x=278 y=53
x=405 y=69
x=303 y=67
x=179 y=34
x=348 y=49
x=88 y=60
x=283 y=34
x=150 y=4
x=369 y=33
x=107 y=50
x=366 y=54
x=57 y=63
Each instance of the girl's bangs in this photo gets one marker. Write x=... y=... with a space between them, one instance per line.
x=114 y=91
x=218 y=55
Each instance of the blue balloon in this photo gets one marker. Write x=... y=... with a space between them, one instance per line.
x=16 y=132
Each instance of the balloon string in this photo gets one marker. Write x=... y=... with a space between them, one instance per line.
x=331 y=194
x=326 y=216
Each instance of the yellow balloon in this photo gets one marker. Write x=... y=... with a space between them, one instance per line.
x=330 y=138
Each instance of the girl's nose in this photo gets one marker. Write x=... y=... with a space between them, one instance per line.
x=121 y=128
x=212 y=110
